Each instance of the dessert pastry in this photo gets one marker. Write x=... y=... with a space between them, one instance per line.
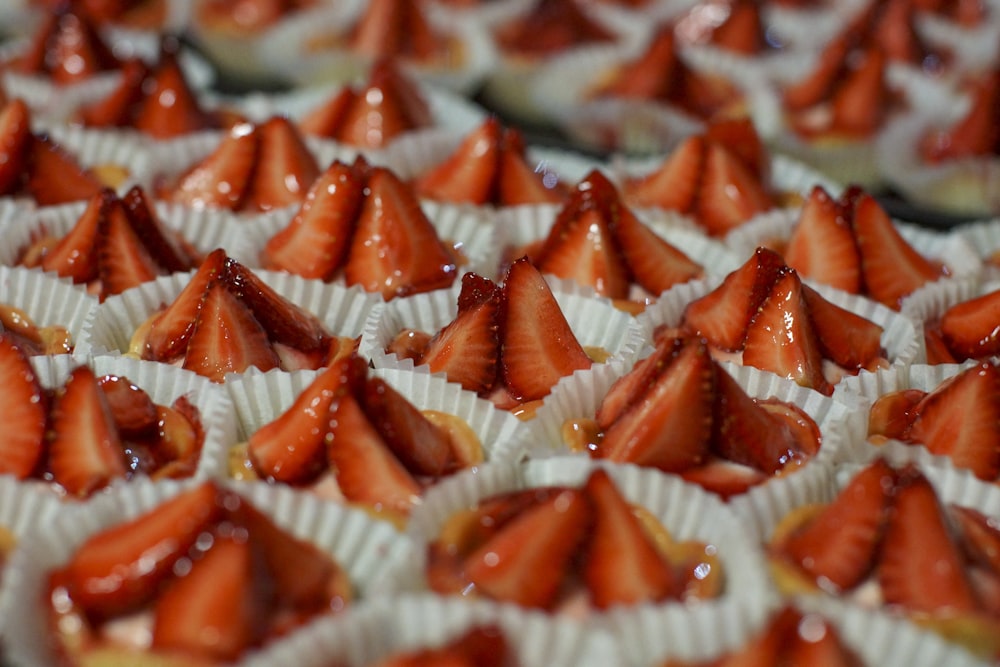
x=114 y=245
x=363 y=223
x=31 y=338
x=484 y=645
x=550 y=28
x=135 y=14
x=964 y=330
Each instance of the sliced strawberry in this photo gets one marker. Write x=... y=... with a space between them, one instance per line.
x=817 y=85
x=822 y=245
x=742 y=31
x=848 y=339
x=861 y=99
x=892 y=414
x=285 y=167
x=650 y=76
x=526 y=561
x=765 y=649
x=979 y=534
x=167 y=248
x=580 y=247
x=292 y=447
x=622 y=564
x=519 y=182
x=897 y=33
x=838 y=546
x=386 y=74
x=970 y=328
x=669 y=425
x=469 y=173
x=171 y=330
x=22 y=430
x=133 y=410
x=891 y=267
x=655 y=264
x=723 y=315
x=977 y=133
x=921 y=568
x=537 y=345
x=467 y=350
x=393 y=27
x=119 y=569
x=115 y=109
x=315 y=241
x=630 y=388
x=938 y=351
x=782 y=339
x=227 y=338
x=960 y=420
x=326 y=118
x=482 y=646
x=740 y=137
x=725 y=478
x=223 y=179
x=374 y=117
x=217 y=608
x=15 y=136
x=730 y=193
x=673 y=185
x=54 y=176
x=72 y=48
x=816 y=641
x=122 y=259
x=169 y=108
x=550 y=27
x=74 y=256
x=180 y=439
x=396 y=250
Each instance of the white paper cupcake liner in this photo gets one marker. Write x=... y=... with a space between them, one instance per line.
x=931 y=303
x=47 y=299
x=365 y=548
x=984 y=236
x=25 y=508
x=811 y=27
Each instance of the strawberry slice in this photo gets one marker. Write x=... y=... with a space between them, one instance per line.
x=168 y=108
x=838 y=546
x=822 y=245
x=120 y=569
x=938 y=351
x=818 y=84
x=519 y=182
x=467 y=350
x=23 y=428
x=580 y=247
x=782 y=339
x=977 y=133
x=892 y=414
x=15 y=136
x=171 y=330
x=921 y=568
x=537 y=345
x=167 y=248
x=740 y=137
x=217 y=609
x=292 y=448
x=85 y=453
x=630 y=387
x=730 y=193
x=285 y=167
x=315 y=241
x=115 y=109
x=815 y=641
x=848 y=339
x=326 y=119
x=650 y=76
x=526 y=561
x=979 y=534
x=622 y=564
x=742 y=31
x=396 y=250
x=122 y=259
x=482 y=646
x=227 y=338
x=469 y=173
x=133 y=411
x=861 y=98
x=223 y=179
x=655 y=264
x=724 y=478
x=959 y=420
x=393 y=27
x=897 y=33
x=669 y=425
x=723 y=315
x=374 y=117
x=969 y=328
x=69 y=48
x=54 y=176
x=673 y=185
x=74 y=256
x=892 y=269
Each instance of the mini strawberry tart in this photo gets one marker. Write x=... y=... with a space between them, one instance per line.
x=42 y=314
x=958 y=320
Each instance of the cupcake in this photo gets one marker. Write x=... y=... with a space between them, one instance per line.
x=43 y=314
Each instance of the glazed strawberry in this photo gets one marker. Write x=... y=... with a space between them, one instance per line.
x=316 y=240
x=655 y=264
x=846 y=338
x=969 y=330
x=394 y=27
x=549 y=27
x=980 y=537
x=959 y=420
x=484 y=646
x=224 y=178
x=133 y=411
x=74 y=256
x=525 y=561
x=23 y=428
x=120 y=569
x=53 y=175
x=285 y=168
x=860 y=101
x=938 y=351
x=816 y=86
x=974 y=134
x=521 y=182
x=630 y=387
x=537 y=345
x=673 y=185
x=15 y=136
x=122 y=259
x=468 y=174
x=67 y=48
x=921 y=568
x=740 y=137
x=652 y=75
x=115 y=109
x=622 y=564
x=724 y=478
x=168 y=249
x=742 y=31
x=838 y=545
x=782 y=339
x=396 y=250
x=822 y=246
x=467 y=349
x=730 y=194
x=898 y=36
x=226 y=337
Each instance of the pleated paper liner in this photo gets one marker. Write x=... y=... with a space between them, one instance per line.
x=47 y=299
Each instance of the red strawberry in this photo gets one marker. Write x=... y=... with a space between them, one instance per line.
x=386 y=74
x=838 y=546
x=969 y=328
x=216 y=609
x=119 y=569
x=730 y=193
x=580 y=247
x=782 y=339
x=54 y=176
x=85 y=453
x=326 y=119
x=816 y=86
x=723 y=315
x=921 y=568
x=15 y=136
x=468 y=348
x=285 y=167
x=655 y=264
x=168 y=107
x=742 y=31
x=223 y=179
x=977 y=133
x=741 y=138
x=537 y=345
x=897 y=33
x=69 y=48
x=315 y=241
x=396 y=250
x=892 y=414
x=937 y=349
x=631 y=387
x=292 y=447
x=115 y=109
x=22 y=430
x=822 y=245
x=816 y=642
x=74 y=256
x=122 y=259
x=469 y=173
x=622 y=564
x=482 y=646
x=226 y=337
x=526 y=561
x=892 y=269
x=374 y=117
x=394 y=27
x=724 y=478
x=959 y=420
x=861 y=99
x=846 y=338
x=765 y=649
x=167 y=248
x=519 y=182
x=668 y=426
x=133 y=410
x=673 y=185
x=980 y=536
